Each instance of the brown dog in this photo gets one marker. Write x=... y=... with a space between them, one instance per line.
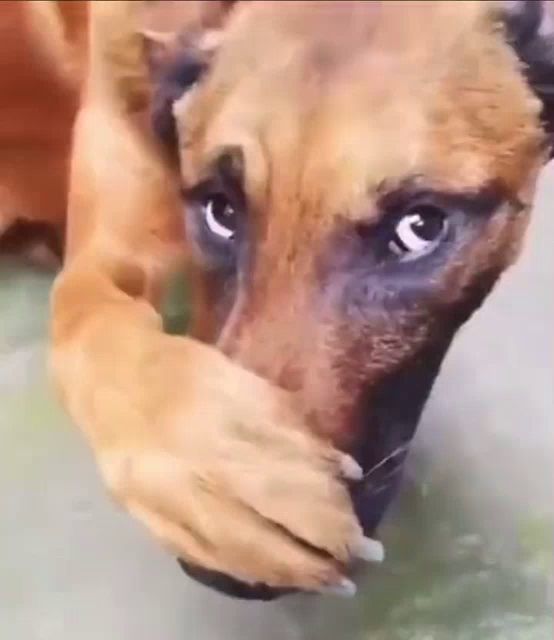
x=347 y=180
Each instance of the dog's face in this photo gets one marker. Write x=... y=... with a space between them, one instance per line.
x=355 y=178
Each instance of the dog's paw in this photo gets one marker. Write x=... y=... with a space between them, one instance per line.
x=229 y=481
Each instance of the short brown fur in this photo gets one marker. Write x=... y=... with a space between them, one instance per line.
x=333 y=106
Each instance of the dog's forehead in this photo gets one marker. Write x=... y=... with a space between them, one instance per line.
x=332 y=99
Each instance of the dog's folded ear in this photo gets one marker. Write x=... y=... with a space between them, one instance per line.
x=133 y=42
x=179 y=40
x=195 y=25
x=530 y=30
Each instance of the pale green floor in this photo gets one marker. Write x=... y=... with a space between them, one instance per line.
x=469 y=544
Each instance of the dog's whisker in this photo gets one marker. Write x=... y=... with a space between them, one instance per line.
x=379 y=488
x=396 y=452
x=385 y=478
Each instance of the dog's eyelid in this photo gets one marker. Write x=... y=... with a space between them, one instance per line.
x=229 y=164
x=200 y=191
x=481 y=202
x=223 y=176
x=210 y=188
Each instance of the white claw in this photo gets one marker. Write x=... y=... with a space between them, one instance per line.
x=350 y=468
x=369 y=550
x=344 y=589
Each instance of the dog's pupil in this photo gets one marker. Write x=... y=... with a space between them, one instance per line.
x=428 y=223
x=223 y=211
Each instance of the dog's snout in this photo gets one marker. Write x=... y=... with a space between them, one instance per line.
x=269 y=339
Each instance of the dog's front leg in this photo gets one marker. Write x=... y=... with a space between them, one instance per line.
x=211 y=458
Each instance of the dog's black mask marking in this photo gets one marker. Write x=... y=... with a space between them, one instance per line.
x=387 y=419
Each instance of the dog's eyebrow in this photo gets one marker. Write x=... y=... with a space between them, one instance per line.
x=225 y=172
x=229 y=165
x=480 y=202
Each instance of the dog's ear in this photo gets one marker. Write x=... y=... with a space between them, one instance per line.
x=132 y=41
x=195 y=25
x=530 y=30
x=180 y=40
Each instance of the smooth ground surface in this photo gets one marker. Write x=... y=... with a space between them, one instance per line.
x=469 y=543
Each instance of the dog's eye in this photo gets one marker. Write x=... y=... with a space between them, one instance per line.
x=220 y=216
x=418 y=232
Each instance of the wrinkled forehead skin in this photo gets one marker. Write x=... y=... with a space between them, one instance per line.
x=342 y=112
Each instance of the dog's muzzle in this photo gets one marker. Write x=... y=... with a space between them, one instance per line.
x=386 y=421
x=370 y=497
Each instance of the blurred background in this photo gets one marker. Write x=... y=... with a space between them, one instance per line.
x=469 y=542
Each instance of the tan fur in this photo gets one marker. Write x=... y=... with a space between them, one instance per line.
x=177 y=438
x=332 y=103
x=324 y=136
